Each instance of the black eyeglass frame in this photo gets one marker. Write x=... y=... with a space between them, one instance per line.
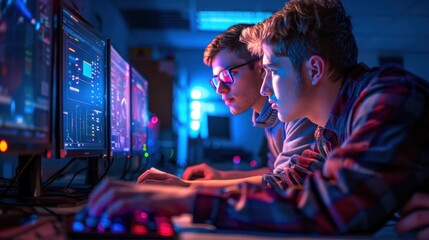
x=228 y=70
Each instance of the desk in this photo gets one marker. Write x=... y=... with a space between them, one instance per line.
x=189 y=231
x=48 y=227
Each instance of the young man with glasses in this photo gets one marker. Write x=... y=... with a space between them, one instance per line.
x=237 y=78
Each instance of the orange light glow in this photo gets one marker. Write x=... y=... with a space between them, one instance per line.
x=3 y=146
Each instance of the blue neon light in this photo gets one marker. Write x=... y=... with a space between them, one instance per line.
x=221 y=20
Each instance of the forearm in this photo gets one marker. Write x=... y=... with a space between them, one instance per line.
x=226 y=182
x=232 y=175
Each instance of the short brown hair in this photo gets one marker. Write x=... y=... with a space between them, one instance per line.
x=303 y=28
x=230 y=40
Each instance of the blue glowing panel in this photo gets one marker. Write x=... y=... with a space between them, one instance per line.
x=120 y=133
x=87 y=69
x=221 y=20
x=139 y=112
x=25 y=75
x=83 y=87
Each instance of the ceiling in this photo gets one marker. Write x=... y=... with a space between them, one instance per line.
x=381 y=25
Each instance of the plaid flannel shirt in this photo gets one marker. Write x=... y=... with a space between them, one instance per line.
x=372 y=155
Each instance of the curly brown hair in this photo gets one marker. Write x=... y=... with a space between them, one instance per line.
x=303 y=28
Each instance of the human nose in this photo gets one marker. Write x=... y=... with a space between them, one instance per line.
x=222 y=88
x=266 y=89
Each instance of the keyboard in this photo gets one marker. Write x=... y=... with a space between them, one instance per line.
x=134 y=225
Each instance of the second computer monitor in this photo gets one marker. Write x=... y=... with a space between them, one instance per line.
x=120 y=98
x=139 y=113
x=82 y=88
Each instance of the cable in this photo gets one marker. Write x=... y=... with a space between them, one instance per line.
x=57 y=174
x=106 y=169
x=74 y=175
x=107 y=166
x=18 y=174
x=7 y=181
x=126 y=168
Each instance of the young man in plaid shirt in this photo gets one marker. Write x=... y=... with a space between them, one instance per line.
x=372 y=127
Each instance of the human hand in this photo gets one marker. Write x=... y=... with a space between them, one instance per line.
x=416 y=216
x=115 y=197
x=201 y=172
x=155 y=176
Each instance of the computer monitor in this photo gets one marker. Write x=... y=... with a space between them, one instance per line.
x=139 y=113
x=120 y=99
x=26 y=47
x=25 y=76
x=82 y=88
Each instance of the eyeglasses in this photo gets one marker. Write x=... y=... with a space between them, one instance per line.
x=225 y=76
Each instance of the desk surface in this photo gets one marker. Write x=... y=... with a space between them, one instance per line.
x=45 y=227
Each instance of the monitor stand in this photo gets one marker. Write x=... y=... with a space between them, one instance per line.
x=93 y=175
x=29 y=180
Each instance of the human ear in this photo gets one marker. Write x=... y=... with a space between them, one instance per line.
x=315 y=68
